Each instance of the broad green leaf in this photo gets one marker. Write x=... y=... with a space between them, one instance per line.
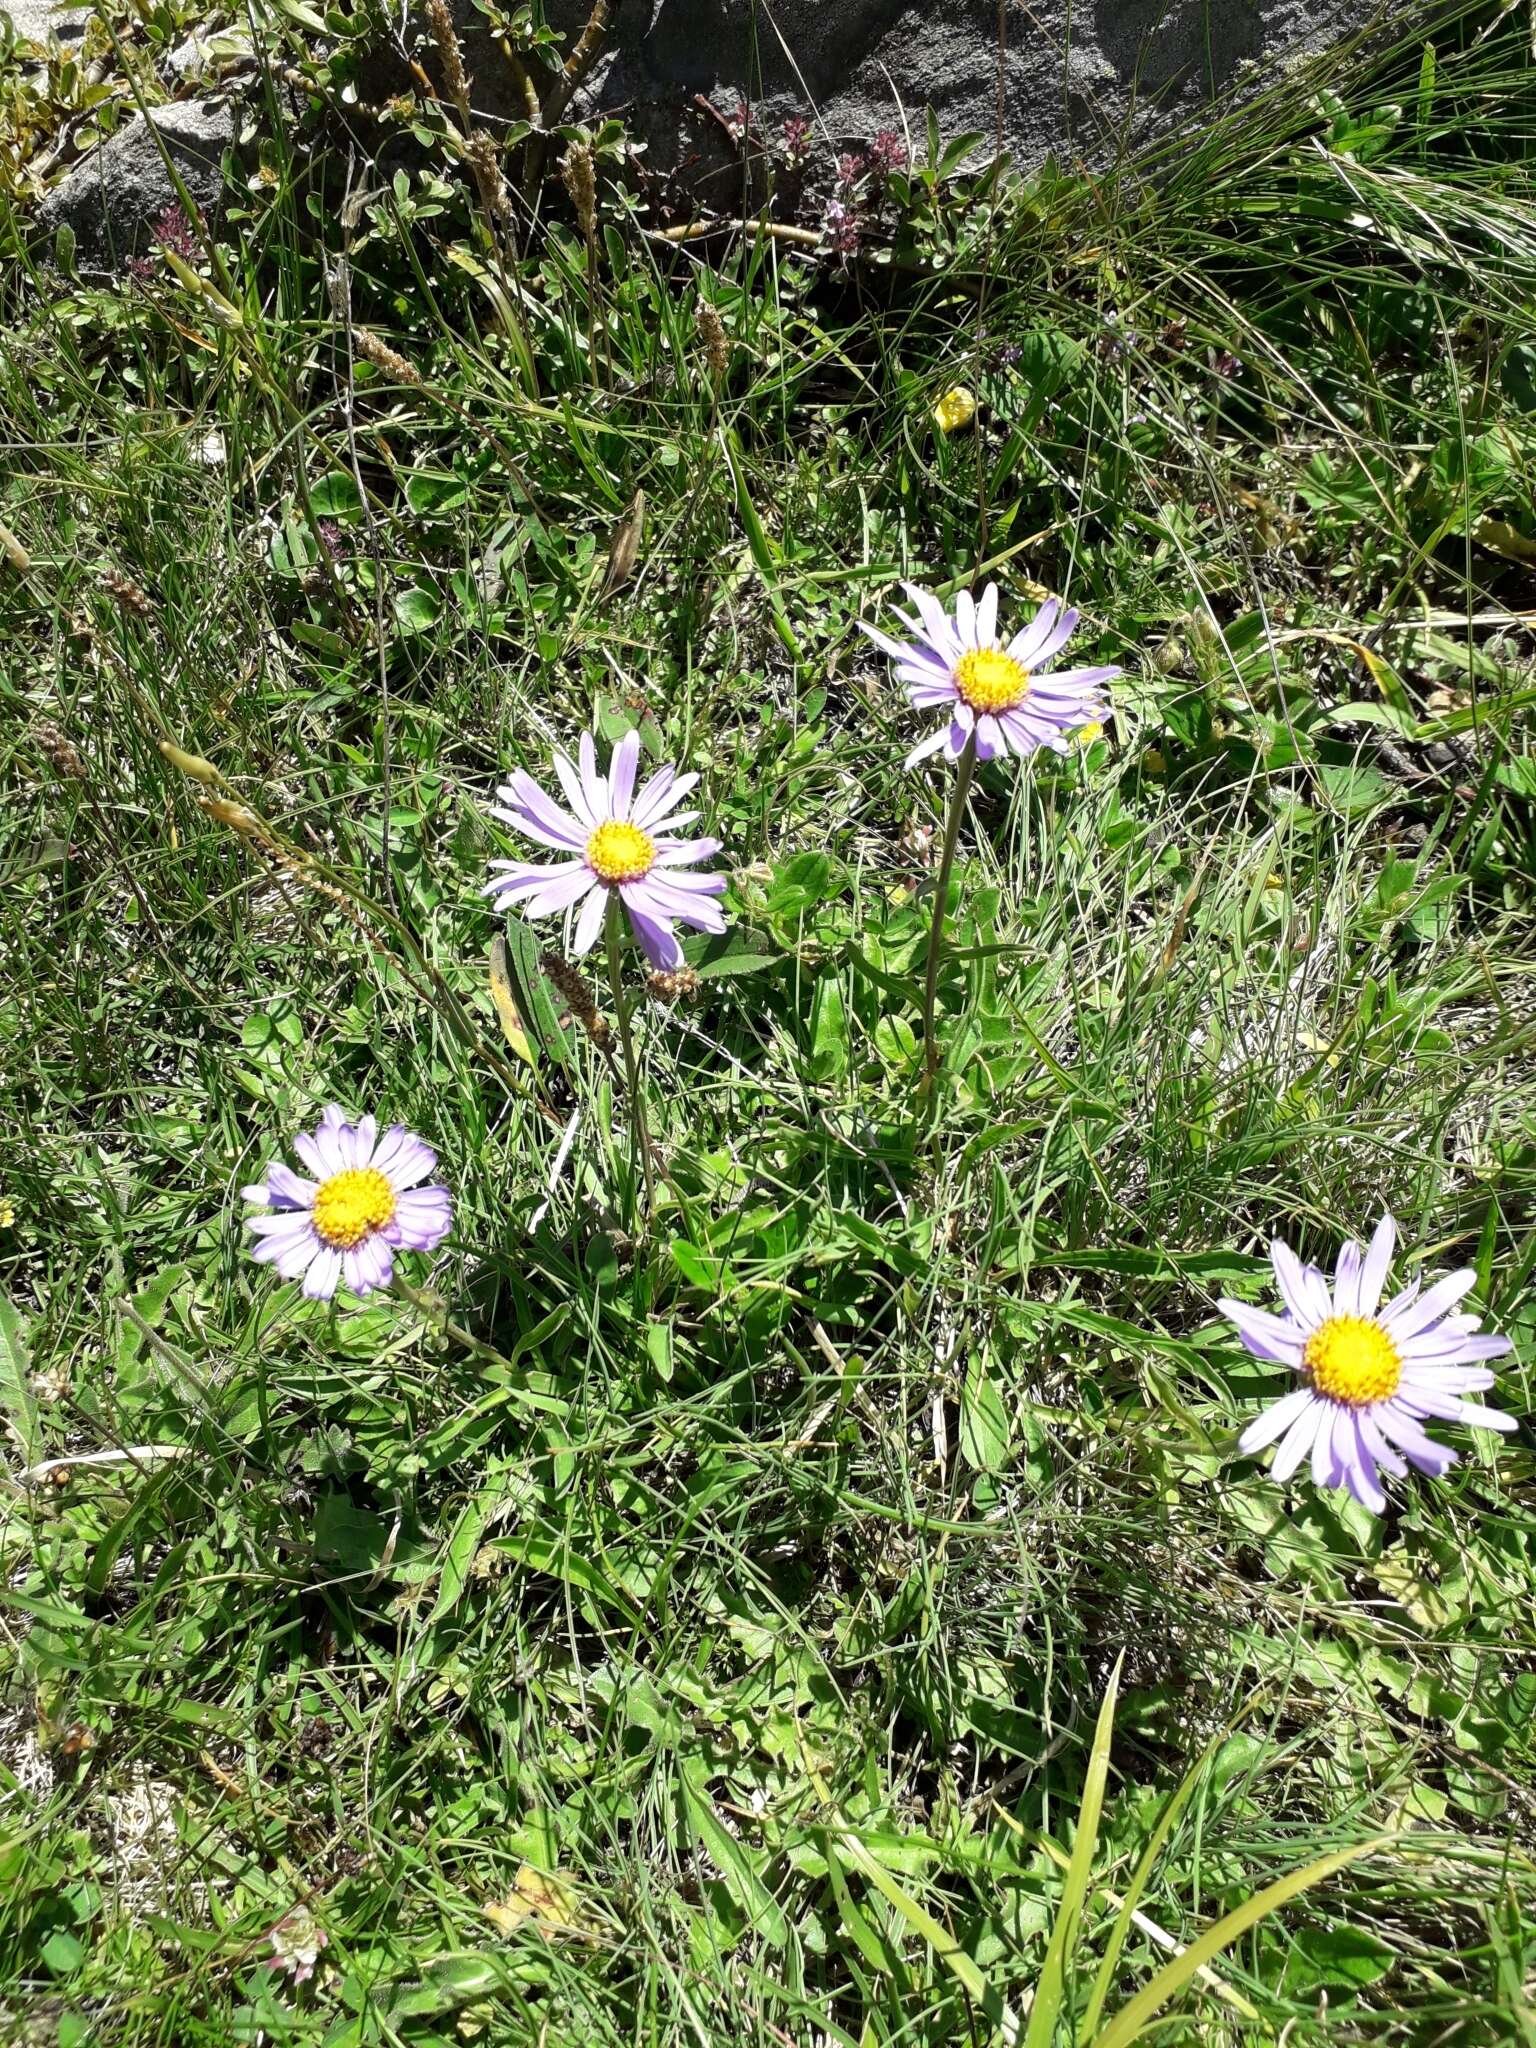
x=15 y=1384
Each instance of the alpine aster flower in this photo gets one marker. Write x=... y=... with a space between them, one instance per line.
x=1372 y=1375
x=362 y=1206
x=1004 y=696
x=612 y=842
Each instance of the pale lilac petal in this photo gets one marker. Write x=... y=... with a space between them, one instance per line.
x=423 y=1218
x=1451 y=1408
x=1354 y=1456
x=1299 y=1439
x=651 y=896
x=989 y=738
x=324 y=1274
x=986 y=617
x=1346 y=1280
x=1266 y=1335
x=658 y=941
x=678 y=853
x=589 y=925
x=403 y=1157
x=626 y=756
x=1275 y=1421
x=925 y=696
x=1326 y=1470
x=959 y=732
x=654 y=804
x=575 y=795
x=942 y=635
x=1434 y=1347
x=1304 y=1289
x=557 y=842
x=1378 y=1446
x=560 y=893
x=965 y=619
x=1378 y=1258
x=1024 y=647
x=1071 y=684
x=289 y=1190
x=1435 y=1302
x=1419 y=1449
x=1055 y=640
x=290 y=1250
x=594 y=786
x=525 y=795
x=364 y=1140
x=525 y=878
x=1445 y=1379
x=924 y=748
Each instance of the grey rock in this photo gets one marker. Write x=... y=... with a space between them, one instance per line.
x=208 y=53
x=113 y=197
x=36 y=20
x=1079 y=76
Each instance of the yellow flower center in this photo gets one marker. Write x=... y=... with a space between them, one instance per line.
x=351 y=1205
x=956 y=408
x=990 y=680
x=1353 y=1360
x=620 y=852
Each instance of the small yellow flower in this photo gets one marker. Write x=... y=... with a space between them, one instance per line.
x=1087 y=734
x=956 y=409
x=7 y=1213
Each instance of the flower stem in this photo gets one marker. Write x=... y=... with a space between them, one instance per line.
x=965 y=769
x=637 y=1124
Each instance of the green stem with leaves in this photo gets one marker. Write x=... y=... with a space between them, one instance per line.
x=965 y=770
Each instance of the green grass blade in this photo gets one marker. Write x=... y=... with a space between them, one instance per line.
x=1048 y=1993
x=1172 y=1978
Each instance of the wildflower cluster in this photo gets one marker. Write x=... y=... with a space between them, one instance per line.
x=1370 y=1376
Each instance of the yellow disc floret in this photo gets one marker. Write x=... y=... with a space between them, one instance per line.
x=620 y=852
x=990 y=680
x=1353 y=1360
x=352 y=1205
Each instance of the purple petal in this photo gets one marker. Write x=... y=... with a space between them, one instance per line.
x=364 y=1140
x=1055 y=640
x=986 y=617
x=523 y=878
x=626 y=756
x=942 y=636
x=1377 y=1444
x=1353 y=1455
x=1436 y=1347
x=525 y=795
x=924 y=696
x=653 y=899
x=965 y=618
x=657 y=940
x=1451 y=1408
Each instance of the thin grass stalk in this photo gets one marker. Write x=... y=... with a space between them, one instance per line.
x=965 y=771
x=640 y=1136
